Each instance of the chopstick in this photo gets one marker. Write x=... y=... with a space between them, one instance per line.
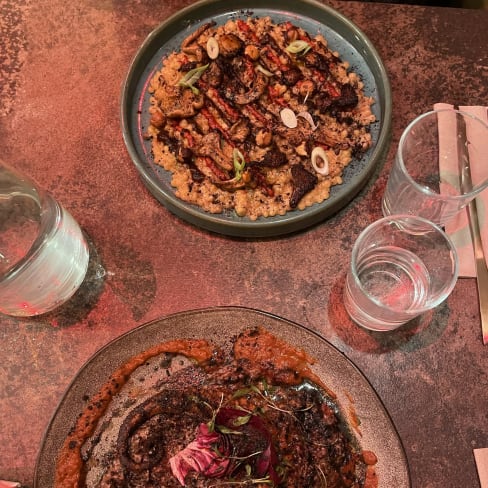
x=474 y=229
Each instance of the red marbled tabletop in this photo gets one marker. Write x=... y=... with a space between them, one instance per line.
x=61 y=72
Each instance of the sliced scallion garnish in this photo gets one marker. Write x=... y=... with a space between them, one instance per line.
x=299 y=47
x=239 y=163
x=320 y=161
x=264 y=71
x=306 y=115
x=191 y=77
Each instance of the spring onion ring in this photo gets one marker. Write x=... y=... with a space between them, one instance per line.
x=318 y=153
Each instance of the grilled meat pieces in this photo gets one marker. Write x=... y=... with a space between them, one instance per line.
x=225 y=92
x=303 y=182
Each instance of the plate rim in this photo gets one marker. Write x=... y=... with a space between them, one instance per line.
x=216 y=310
x=292 y=221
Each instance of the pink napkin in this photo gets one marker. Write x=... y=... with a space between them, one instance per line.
x=481 y=459
x=458 y=228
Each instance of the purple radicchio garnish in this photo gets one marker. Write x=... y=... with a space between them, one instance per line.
x=232 y=440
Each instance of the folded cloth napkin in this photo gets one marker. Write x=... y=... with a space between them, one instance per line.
x=458 y=228
x=481 y=459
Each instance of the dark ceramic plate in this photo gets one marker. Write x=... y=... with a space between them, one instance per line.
x=219 y=325
x=314 y=17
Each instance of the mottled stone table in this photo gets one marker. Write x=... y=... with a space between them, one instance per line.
x=61 y=69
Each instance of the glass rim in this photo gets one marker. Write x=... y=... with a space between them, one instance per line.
x=421 y=188
x=431 y=227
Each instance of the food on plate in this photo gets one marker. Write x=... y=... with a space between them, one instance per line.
x=188 y=413
x=256 y=117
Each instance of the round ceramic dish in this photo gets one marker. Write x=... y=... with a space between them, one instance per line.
x=342 y=36
x=219 y=326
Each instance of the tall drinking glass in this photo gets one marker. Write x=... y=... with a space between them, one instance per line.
x=43 y=252
x=434 y=150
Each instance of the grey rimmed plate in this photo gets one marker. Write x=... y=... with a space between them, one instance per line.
x=342 y=35
x=219 y=326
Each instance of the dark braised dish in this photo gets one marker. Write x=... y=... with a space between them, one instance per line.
x=187 y=414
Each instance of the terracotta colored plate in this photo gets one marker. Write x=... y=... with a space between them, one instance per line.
x=342 y=35
x=220 y=325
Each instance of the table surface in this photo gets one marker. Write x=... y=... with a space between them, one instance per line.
x=61 y=71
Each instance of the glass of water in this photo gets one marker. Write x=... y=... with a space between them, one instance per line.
x=434 y=151
x=401 y=266
x=43 y=252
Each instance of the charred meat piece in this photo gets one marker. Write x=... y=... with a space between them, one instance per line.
x=314 y=59
x=296 y=136
x=303 y=181
x=348 y=98
x=243 y=70
x=180 y=104
x=188 y=66
x=184 y=154
x=193 y=37
x=240 y=130
x=232 y=184
x=210 y=169
x=272 y=61
x=274 y=158
x=253 y=94
x=291 y=76
x=143 y=438
x=256 y=115
x=226 y=110
x=322 y=103
x=259 y=180
x=326 y=136
x=173 y=144
x=230 y=45
x=210 y=146
x=190 y=44
x=196 y=174
x=213 y=75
